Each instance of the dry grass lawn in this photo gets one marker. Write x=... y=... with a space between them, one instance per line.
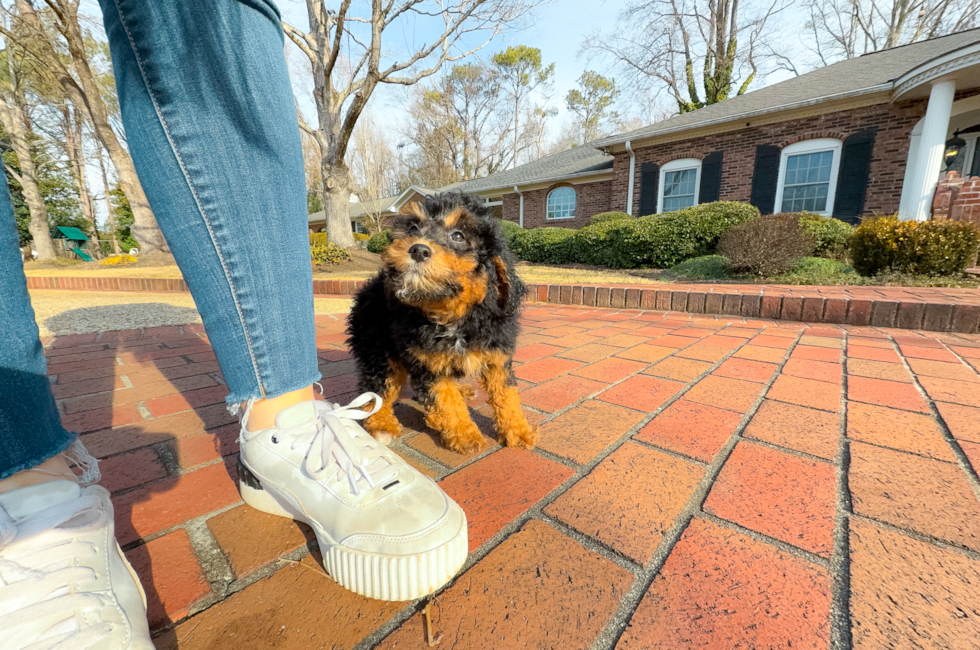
x=530 y=273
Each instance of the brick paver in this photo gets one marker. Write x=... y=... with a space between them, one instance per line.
x=685 y=492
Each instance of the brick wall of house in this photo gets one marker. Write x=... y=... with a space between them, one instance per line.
x=957 y=198
x=590 y=199
x=893 y=121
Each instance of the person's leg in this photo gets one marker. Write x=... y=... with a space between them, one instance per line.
x=30 y=425
x=47 y=520
x=208 y=108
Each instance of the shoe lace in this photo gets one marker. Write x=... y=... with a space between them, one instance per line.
x=39 y=575
x=335 y=448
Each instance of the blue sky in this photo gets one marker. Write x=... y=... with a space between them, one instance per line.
x=557 y=28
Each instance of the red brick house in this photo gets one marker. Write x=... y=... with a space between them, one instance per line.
x=867 y=135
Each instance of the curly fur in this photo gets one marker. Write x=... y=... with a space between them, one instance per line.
x=443 y=319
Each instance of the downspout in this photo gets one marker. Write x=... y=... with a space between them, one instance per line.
x=520 y=194
x=629 y=191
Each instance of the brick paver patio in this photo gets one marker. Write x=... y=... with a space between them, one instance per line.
x=700 y=481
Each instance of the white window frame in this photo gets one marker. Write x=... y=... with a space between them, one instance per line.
x=811 y=146
x=547 y=198
x=677 y=166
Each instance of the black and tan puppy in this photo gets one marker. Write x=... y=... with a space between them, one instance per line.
x=443 y=308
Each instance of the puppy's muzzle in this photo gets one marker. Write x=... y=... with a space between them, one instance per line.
x=420 y=252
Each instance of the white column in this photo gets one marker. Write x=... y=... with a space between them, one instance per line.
x=908 y=204
x=932 y=144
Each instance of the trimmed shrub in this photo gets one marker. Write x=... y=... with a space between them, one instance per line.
x=832 y=235
x=706 y=223
x=654 y=242
x=767 y=245
x=318 y=238
x=915 y=247
x=602 y=217
x=328 y=254
x=379 y=241
x=706 y=267
x=543 y=245
x=594 y=244
x=511 y=230
x=360 y=236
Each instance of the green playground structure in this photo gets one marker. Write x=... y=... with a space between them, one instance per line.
x=74 y=239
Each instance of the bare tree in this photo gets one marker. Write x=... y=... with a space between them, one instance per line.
x=432 y=142
x=521 y=73
x=373 y=163
x=71 y=126
x=350 y=55
x=106 y=194
x=461 y=114
x=843 y=29
x=81 y=85
x=699 y=51
x=17 y=123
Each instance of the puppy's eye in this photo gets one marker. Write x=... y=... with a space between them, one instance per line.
x=413 y=230
x=457 y=236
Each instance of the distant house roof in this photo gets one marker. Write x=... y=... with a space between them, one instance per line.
x=862 y=75
x=72 y=233
x=386 y=204
x=583 y=160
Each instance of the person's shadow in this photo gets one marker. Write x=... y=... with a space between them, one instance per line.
x=142 y=455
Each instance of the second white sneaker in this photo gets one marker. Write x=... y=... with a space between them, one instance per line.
x=385 y=530
x=64 y=583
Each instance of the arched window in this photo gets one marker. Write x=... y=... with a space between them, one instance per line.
x=808 y=176
x=561 y=203
x=680 y=181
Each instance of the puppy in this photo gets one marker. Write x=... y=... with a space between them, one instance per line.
x=443 y=308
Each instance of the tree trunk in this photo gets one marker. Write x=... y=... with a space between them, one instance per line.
x=12 y=114
x=108 y=205
x=76 y=156
x=85 y=93
x=337 y=187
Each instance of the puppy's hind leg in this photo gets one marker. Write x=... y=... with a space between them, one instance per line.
x=383 y=425
x=513 y=429
x=446 y=412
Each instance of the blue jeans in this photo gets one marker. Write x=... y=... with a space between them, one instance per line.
x=211 y=126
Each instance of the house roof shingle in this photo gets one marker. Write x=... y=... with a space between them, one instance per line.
x=580 y=160
x=858 y=76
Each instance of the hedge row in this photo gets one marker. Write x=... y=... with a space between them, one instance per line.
x=616 y=240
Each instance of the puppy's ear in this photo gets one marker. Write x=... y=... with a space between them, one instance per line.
x=510 y=289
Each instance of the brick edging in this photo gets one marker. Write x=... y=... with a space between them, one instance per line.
x=905 y=314
x=936 y=317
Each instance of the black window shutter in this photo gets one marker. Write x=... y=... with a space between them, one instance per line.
x=765 y=177
x=852 y=175
x=711 y=177
x=649 y=184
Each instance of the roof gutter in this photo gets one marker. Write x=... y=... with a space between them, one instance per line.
x=520 y=194
x=629 y=192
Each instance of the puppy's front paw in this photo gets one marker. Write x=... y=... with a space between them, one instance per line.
x=468 y=441
x=384 y=427
x=523 y=435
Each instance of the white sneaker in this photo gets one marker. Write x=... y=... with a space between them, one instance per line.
x=385 y=530
x=64 y=582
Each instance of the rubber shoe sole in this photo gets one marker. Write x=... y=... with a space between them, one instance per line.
x=374 y=575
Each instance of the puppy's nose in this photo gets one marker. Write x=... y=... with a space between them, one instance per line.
x=420 y=252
